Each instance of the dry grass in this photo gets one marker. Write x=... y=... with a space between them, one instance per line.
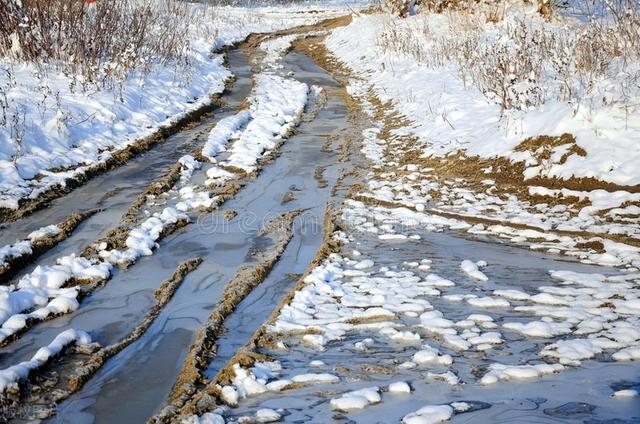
x=532 y=61
x=98 y=43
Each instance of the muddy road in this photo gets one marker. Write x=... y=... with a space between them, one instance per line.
x=279 y=276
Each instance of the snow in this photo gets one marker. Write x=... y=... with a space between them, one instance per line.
x=314 y=340
x=143 y=238
x=357 y=399
x=48 y=231
x=41 y=292
x=278 y=385
x=539 y=328
x=498 y=372
x=230 y=395
x=225 y=130
x=512 y=294
x=447 y=377
x=266 y=415
x=274 y=48
x=25 y=247
x=9 y=377
x=460 y=406
x=627 y=354
x=430 y=414
x=446 y=114
x=100 y=123
x=625 y=394
x=263 y=378
x=399 y=387
x=472 y=270
x=488 y=302
x=364 y=264
x=16 y=250
x=276 y=108
x=420 y=315
x=462 y=117
x=313 y=378
x=430 y=355
x=247 y=383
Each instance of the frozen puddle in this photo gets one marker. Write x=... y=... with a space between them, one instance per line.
x=433 y=327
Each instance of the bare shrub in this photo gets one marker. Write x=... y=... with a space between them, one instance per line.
x=101 y=42
x=401 y=39
x=440 y=6
x=545 y=8
x=404 y=8
x=626 y=24
x=400 y=8
x=531 y=60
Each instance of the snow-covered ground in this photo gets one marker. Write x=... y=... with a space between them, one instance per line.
x=10 y=377
x=63 y=130
x=405 y=62
x=450 y=144
x=419 y=314
x=25 y=247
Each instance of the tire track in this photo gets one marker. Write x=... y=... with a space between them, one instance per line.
x=67 y=373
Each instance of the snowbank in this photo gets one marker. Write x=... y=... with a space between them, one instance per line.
x=448 y=114
x=276 y=107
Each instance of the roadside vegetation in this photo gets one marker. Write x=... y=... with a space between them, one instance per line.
x=100 y=42
x=520 y=61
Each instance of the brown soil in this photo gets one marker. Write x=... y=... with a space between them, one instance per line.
x=369 y=319
x=228 y=214
x=377 y=369
x=318 y=175
x=288 y=197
